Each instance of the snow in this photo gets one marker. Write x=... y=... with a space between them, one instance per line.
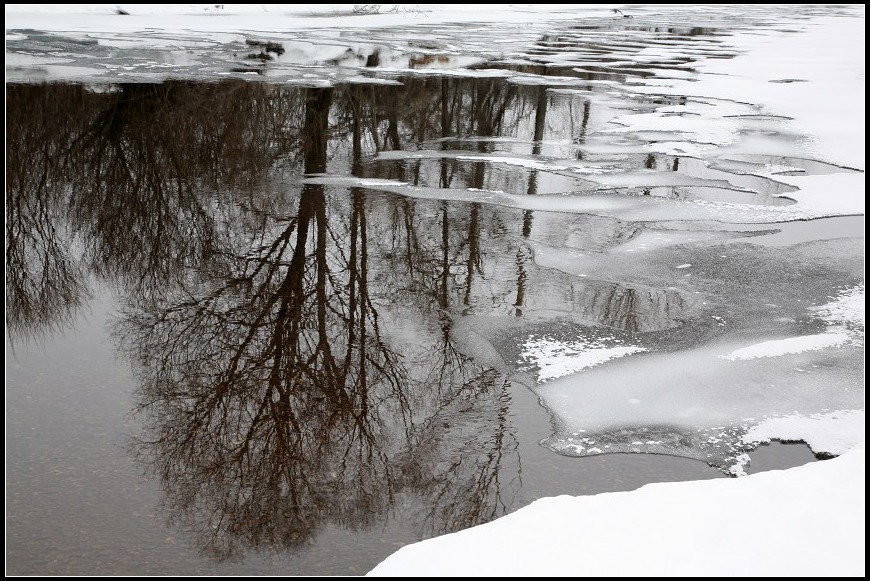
x=187 y=18
x=779 y=347
x=803 y=521
x=831 y=433
x=558 y=358
x=847 y=308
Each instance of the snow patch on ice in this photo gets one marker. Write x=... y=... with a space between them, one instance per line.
x=845 y=314
x=555 y=358
x=779 y=347
x=847 y=308
x=829 y=433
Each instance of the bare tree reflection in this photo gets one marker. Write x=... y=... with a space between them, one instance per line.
x=467 y=404
x=277 y=405
x=148 y=155
x=295 y=343
x=464 y=460
x=44 y=279
x=110 y=182
x=273 y=395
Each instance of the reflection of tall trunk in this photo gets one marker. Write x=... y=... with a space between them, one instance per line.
x=445 y=129
x=314 y=132
x=478 y=176
x=392 y=121
x=473 y=261
x=487 y=116
x=521 y=281
x=527 y=223
x=356 y=136
x=540 y=119
x=445 y=180
x=443 y=300
x=584 y=125
x=484 y=129
x=312 y=203
x=358 y=296
x=412 y=249
x=443 y=303
x=532 y=189
x=445 y=107
x=523 y=257
x=357 y=266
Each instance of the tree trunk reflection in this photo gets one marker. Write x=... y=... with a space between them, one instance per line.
x=294 y=343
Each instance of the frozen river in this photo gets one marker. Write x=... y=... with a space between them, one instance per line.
x=284 y=299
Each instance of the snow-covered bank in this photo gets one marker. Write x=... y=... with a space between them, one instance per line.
x=805 y=521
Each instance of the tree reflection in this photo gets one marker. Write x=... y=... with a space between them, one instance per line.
x=277 y=405
x=273 y=394
x=294 y=343
x=464 y=458
x=148 y=155
x=44 y=280
x=111 y=183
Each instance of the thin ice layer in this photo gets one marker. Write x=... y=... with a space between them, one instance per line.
x=709 y=402
x=842 y=196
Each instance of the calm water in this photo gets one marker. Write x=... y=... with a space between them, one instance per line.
x=234 y=348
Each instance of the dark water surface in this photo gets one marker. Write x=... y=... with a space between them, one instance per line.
x=77 y=505
x=295 y=388
x=234 y=348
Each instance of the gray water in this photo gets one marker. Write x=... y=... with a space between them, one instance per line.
x=77 y=505
x=229 y=351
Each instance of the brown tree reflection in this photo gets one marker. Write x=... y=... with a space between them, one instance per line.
x=134 y=184
x=295 y=343
x=277 y=404
x=150 y=152
x=44 y=279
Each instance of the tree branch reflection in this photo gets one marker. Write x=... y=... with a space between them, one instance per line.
x=44 y=280
x=276 y=403
x=295 y=343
